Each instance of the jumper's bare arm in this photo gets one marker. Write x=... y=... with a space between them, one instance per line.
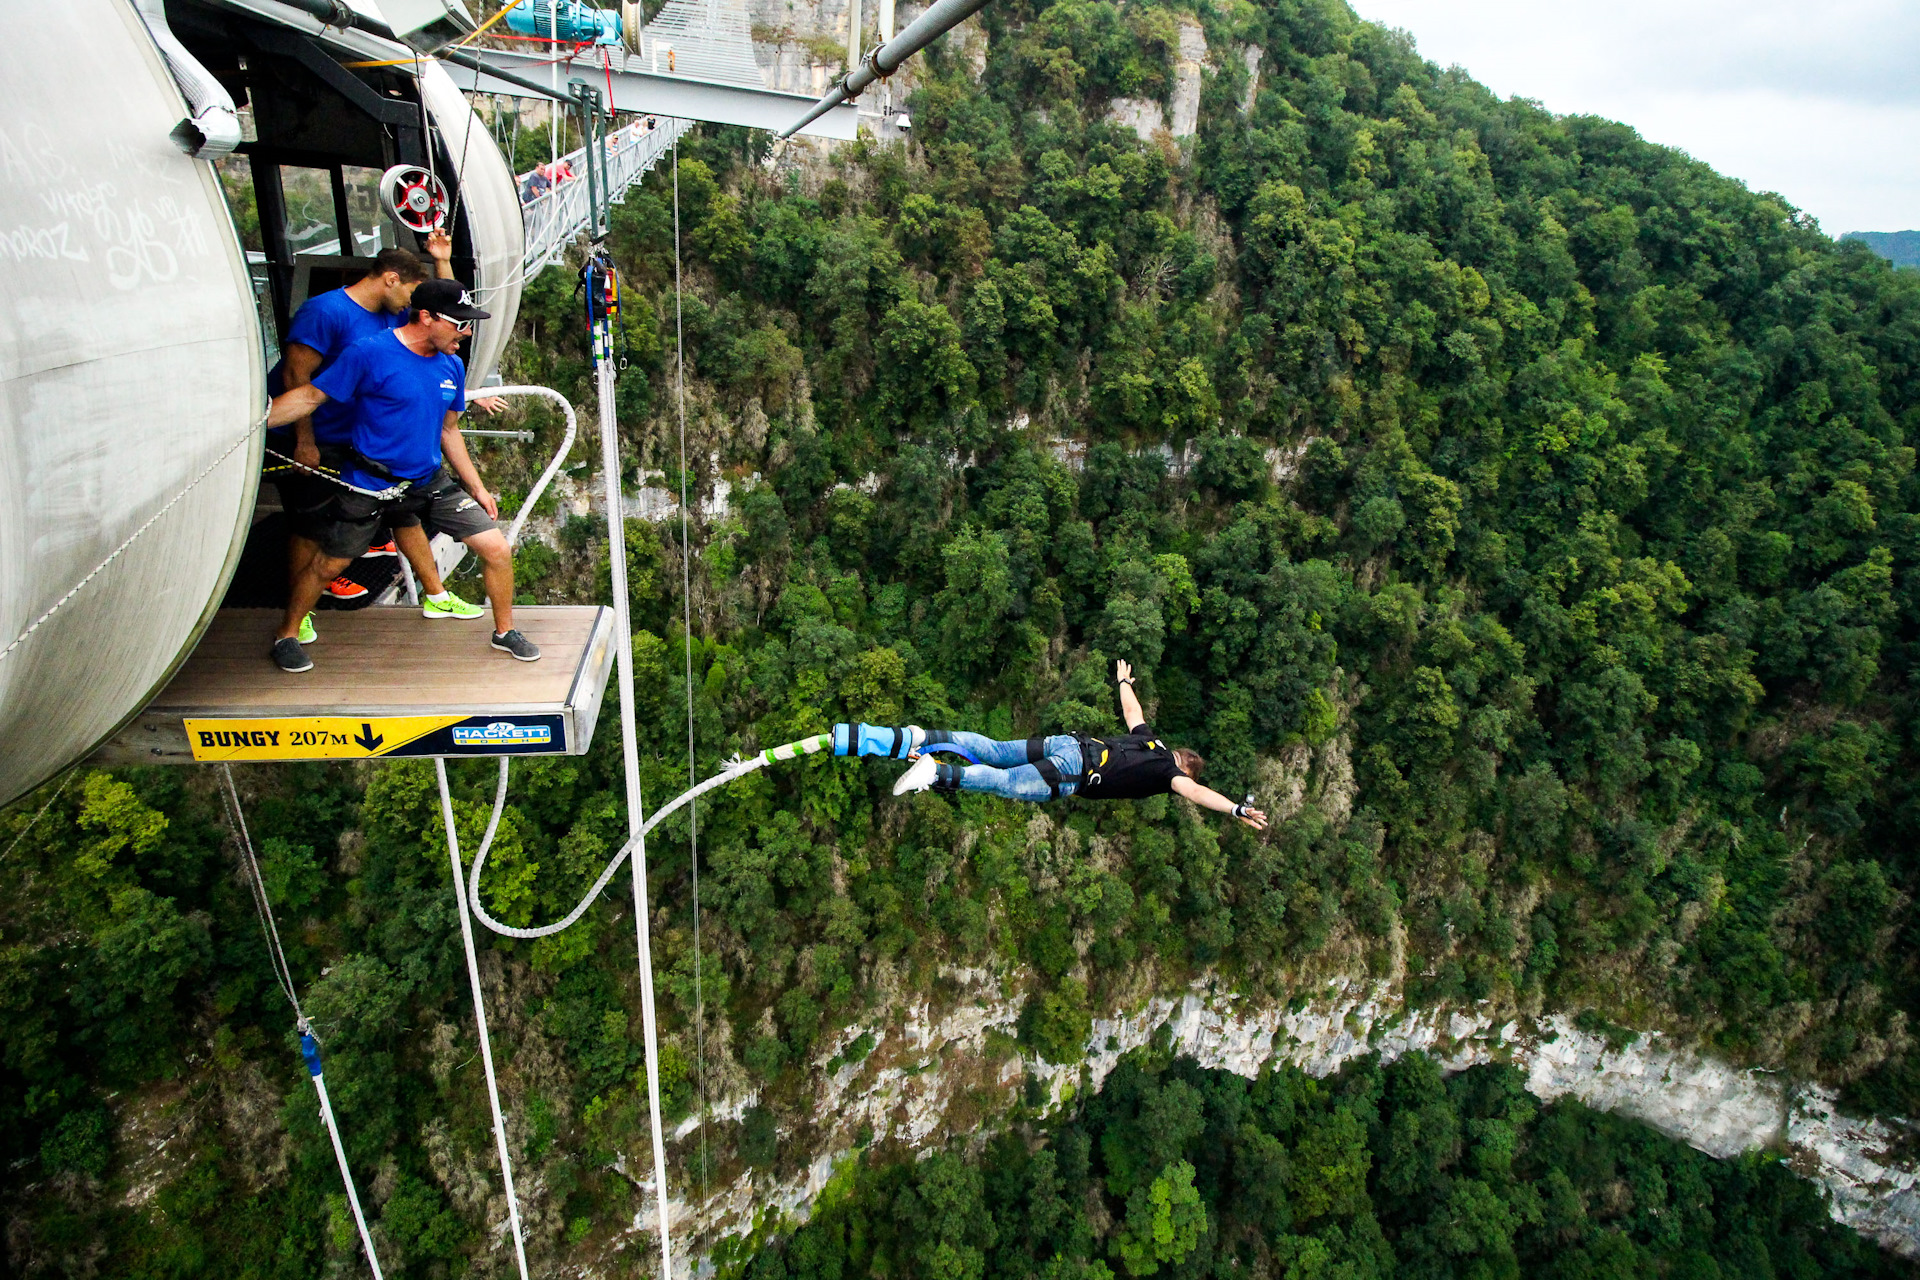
x=1130 y=713
x=1208 y=798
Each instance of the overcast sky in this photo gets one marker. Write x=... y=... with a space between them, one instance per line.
x=1820 y=102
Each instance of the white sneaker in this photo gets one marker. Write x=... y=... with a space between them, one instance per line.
x=918 y=777
x=916 y=738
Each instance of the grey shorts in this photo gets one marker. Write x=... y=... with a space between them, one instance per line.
x=451 y=510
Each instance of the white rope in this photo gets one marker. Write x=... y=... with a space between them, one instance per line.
x=387 y=494
x=734 y=771
x=480 y=1016
x=686 y=600
x=132 y=538
x=309 y=1042
x=340 y=1155
x=559 y=456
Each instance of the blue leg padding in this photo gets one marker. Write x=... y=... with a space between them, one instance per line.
x=870 y=740
x=878 y=740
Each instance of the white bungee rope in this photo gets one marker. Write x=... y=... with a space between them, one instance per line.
x=734 y=771
x=453 y=841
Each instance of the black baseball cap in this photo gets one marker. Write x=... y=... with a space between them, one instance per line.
x=447 y=298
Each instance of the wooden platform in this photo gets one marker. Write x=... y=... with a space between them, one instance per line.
x=385 y=682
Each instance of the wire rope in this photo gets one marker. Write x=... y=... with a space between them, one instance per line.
x=686 y=600
x=132 y=538
x=35 y=820
x=257 y=885
x=283 y=974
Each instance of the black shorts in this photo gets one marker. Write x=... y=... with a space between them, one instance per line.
x=452 y=510
x=304 y=497
x=346 y=526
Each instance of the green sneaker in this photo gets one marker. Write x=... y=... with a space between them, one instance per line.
x=307 y=634
x=452 y=607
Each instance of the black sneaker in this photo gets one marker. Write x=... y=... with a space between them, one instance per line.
x=516 y=644
x=290 y=657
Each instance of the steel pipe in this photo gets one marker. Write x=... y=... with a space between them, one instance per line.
x=884 y=61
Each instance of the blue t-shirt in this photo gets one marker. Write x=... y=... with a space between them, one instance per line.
x=399 y=403
x=330 y=323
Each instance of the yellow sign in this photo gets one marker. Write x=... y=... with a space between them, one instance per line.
x=309 y=737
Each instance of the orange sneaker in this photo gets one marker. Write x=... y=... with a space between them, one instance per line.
x=345 y=589
x=384 y=549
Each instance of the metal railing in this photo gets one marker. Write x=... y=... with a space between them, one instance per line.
x=556 y=215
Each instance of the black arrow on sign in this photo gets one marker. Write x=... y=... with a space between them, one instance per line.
x=367 y=737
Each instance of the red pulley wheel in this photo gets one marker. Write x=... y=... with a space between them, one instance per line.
x=415 y=197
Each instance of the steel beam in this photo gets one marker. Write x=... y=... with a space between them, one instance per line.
x=677 y=96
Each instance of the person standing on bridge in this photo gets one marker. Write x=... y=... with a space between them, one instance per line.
x=1129 y=766
x=407 y=390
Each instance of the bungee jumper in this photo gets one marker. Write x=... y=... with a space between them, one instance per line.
x=1129 y=766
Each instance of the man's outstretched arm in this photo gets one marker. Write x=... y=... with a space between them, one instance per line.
x=294 y=404
x=1208 y=798
x=1130 y=713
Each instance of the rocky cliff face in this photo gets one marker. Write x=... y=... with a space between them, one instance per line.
x=940 y=1074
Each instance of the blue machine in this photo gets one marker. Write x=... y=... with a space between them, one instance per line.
x=577 y=23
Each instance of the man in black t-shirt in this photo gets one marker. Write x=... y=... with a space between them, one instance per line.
x=1129 y=766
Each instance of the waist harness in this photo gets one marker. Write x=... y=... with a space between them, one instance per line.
x=380 y=471
x=1050 y=772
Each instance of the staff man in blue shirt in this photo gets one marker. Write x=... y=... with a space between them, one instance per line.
x=325 y=326
x=407 y=389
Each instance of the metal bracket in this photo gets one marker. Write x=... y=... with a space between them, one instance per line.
x=311 y=56
x=593 y=140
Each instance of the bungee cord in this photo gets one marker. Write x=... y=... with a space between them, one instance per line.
x=733 y=772
x=603 y=301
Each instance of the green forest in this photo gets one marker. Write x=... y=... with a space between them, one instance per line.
x=1176 y=1171
x=1522 y=512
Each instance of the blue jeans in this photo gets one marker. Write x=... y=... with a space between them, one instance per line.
x=1001 y=768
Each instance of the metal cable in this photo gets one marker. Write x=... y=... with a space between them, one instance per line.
x=132 y=538
x=257 y=885
x=686 y=600
x=36 y=817
x=310 y=1043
